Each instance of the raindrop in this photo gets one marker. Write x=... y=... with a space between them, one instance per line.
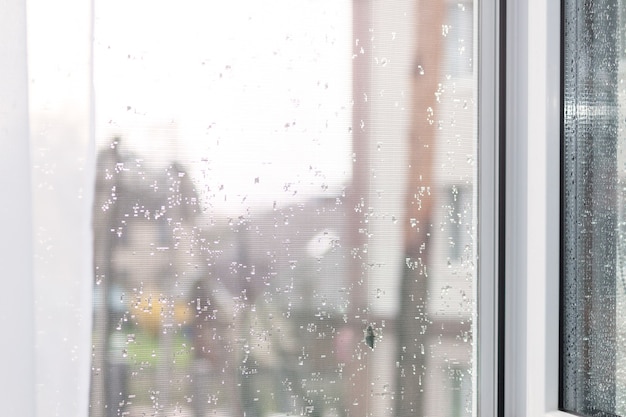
x=429 y=115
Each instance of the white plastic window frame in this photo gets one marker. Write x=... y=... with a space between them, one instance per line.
x=532 y=201
x=489 y=82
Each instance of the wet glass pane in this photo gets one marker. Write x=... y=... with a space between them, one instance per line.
x=285 y=215
x=593 y=295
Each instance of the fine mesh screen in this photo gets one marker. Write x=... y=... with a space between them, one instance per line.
x=285 y=211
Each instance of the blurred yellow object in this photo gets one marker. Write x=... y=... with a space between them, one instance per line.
x=152 y=313
x=183 y=314
x=147 y=311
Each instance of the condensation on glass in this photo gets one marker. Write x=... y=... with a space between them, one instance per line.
x=285 y=215
x=593 y=353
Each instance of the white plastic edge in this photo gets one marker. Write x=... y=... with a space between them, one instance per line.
x=559 y=414
x=486 y=324
x=533 y=192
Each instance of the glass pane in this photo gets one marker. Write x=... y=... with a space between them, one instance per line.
x=285 y=211
x=593 y=297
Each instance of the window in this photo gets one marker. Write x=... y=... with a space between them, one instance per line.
x=115 y=336
x=286 y=211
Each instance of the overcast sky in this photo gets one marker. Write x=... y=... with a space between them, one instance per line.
x=252 y=96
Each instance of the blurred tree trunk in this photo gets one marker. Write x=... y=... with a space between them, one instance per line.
x=355 y=371
x=107 y=188
x=421 y=191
